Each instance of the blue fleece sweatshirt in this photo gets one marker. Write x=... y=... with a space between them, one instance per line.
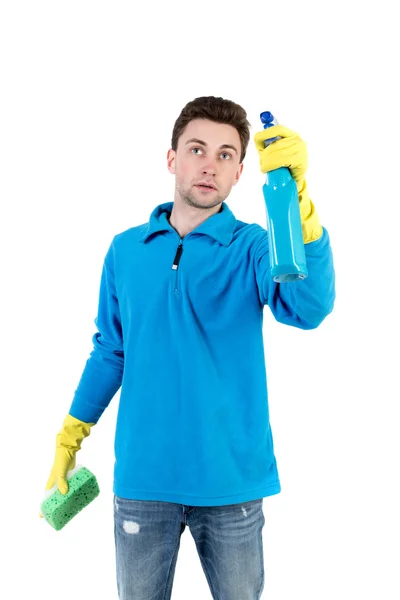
x=180 y=332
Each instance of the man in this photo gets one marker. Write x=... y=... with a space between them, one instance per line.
x=180 y=331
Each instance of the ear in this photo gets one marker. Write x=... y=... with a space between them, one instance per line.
x=238 y=173
x=171 y=154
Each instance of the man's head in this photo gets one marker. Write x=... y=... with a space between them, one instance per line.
x=209 y=143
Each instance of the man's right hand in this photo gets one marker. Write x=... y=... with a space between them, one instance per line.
x=68 y=442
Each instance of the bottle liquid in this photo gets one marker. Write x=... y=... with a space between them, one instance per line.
x=285 y=236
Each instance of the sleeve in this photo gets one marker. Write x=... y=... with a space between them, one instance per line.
x=304 y=303
x=103 y=372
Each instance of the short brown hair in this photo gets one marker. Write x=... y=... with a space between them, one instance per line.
x=214 y=109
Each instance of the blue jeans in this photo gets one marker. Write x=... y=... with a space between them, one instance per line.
x=228 y=541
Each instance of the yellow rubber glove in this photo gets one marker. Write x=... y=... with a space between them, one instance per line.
x=68 y=442
x=290 y=152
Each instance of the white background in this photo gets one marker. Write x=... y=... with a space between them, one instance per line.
x=89 y=95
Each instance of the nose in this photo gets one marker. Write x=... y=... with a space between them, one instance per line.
x=210 y=168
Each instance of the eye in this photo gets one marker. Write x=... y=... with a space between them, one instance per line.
x=197 y=148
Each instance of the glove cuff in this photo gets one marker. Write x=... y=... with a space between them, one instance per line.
x=72 y=433
x=311 y=226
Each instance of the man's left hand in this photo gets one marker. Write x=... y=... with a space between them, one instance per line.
x=290 y=151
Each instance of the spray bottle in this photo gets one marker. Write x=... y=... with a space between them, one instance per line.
x=285 y=236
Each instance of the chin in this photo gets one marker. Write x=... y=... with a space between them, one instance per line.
x=203 y=202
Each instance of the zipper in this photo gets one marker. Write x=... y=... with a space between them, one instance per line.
x=175 y=264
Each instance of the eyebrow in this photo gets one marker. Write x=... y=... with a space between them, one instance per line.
x=204 y=144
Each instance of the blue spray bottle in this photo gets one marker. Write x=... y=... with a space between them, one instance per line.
x=286 y=245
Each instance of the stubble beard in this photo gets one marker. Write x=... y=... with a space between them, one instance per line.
x=190 y=199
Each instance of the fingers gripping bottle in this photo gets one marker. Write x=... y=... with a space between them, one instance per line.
x=285 y=236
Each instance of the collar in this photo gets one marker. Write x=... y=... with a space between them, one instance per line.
x=219 y=226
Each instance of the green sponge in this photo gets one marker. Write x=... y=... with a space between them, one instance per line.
x=58 y=509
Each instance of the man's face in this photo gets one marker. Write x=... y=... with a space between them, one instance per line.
x=200 y=157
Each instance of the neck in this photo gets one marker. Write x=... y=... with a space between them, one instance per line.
x=185 y=218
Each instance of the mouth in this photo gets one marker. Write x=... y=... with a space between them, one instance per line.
x=205 y=188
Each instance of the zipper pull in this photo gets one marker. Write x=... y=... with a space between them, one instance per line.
x=177 y=256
